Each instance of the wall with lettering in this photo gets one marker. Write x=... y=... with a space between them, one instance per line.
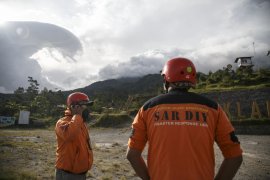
x=244 y=104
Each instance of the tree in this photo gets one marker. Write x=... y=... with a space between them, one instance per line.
x=20 y=90
x=19 y=95
x=33 y=89
x=40 y=105
x=10 y=108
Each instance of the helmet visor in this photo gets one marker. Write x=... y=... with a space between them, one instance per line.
x=87 y=103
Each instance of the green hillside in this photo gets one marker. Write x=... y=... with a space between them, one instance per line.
x=116 y=92
x=125 y=94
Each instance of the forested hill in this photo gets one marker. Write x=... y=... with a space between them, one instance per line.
x=137 y=85
x=117 y=93
x=152 y=83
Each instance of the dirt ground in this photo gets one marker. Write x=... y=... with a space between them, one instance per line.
x=30 y=154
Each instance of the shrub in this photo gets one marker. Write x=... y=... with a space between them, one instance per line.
x=112 y=120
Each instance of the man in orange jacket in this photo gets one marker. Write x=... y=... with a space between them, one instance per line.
x=74 y=156
x=181 y=128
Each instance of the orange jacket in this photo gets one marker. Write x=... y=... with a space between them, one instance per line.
x=181 y=129
x=73 y=152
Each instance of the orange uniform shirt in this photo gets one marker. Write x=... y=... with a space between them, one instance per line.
x=181 y=128
x=73 y=152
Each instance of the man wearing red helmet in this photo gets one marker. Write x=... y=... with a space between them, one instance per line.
x=74 y=156
x=181 y=128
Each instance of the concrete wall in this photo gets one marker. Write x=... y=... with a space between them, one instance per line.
x=244 y=104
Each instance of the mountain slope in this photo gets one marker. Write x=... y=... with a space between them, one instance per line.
x=117 y=91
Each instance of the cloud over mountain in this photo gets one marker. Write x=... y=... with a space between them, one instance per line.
x=20 y=40
x=112 y=39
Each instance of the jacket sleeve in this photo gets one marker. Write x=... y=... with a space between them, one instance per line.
x=138 y=137
x=225 y=136
x=68 y=130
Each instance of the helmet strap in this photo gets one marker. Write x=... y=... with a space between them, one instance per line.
x=166 y=86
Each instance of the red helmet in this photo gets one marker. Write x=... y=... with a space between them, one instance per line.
x=179 y=70
x=78 y=98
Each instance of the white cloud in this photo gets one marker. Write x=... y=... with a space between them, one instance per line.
x=23 y=41
x=119 y=37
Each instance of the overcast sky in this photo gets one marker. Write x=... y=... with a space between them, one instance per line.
x=71 y=44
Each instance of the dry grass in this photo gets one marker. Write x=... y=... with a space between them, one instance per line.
x=30 y=154
x=27 y=154
x=110 y=162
